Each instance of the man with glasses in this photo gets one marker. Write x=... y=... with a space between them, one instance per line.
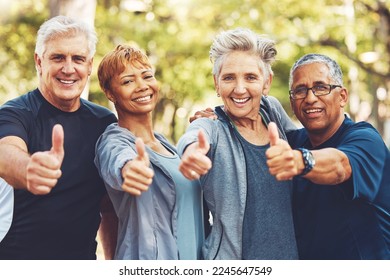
x=341 y=169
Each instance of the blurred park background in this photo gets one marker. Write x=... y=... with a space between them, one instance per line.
x=177 y=34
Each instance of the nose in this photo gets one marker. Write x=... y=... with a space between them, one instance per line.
x=141 y=84
x=310 y=97
x=240 y=87
x=68 y=67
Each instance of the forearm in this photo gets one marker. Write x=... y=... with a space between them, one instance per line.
x=111 y=156
x=13 y=162
x=332 y=167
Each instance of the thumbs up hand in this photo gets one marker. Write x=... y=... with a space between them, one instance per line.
x=43 y=168
x=194 y=161
x=136 y=173
x=273 y=134
x=280 y=156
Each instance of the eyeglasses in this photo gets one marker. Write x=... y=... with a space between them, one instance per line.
x=318 y=90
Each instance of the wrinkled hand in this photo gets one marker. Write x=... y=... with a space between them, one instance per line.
x=194 y=161
x=280 y=157
x=207 y=113
x=43 y=168
x=136 y=173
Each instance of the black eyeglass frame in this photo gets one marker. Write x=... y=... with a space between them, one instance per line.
x=331 y=87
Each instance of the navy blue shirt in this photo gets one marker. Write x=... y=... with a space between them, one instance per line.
x=63 y=223
x=350 y=220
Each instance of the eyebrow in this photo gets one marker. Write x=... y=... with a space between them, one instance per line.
x=315 y=83
x=127 y=76
x=245 y=74
x=132 y=75
x=63 y=55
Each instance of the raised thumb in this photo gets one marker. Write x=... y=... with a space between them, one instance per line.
x=273 y=133
x=140 y=147
x=58 y=141
x=202 y=141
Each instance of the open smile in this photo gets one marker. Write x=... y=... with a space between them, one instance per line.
x=240 y=100
x=143 y=98
x=67 y=82
x=313 y=112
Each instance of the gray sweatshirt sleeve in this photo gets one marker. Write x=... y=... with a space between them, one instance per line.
x=191 y=134
x=113 y=150
x=279 y=114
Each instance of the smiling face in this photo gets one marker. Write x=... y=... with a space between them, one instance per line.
x=320 y=115
x=241 y=84
x=134 y=91
x=63 y=70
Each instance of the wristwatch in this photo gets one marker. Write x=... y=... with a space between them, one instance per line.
x=308 y=161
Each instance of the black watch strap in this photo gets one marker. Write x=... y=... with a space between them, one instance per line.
x=308 y=161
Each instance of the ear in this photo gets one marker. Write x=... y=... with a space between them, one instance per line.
x=90 y=66
x=216 y=83
x=110 y=96
x=292 y=105
x=38 y=63
x=343 y=97
x=267 y=85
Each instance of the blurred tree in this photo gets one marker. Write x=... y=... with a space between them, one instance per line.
x=17 y=36
x=177 y=34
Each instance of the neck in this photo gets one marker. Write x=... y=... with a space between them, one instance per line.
x=140 y=125
x=250 y=122
x=71 y=105
x=252 y=130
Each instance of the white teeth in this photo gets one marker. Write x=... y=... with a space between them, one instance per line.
x=240 y=100
x=313 y=111
x=66 y=82
x=145 y=98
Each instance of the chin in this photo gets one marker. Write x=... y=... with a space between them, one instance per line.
x=314 y=129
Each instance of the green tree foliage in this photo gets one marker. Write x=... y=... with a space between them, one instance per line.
x=177 y=34
x=17 y=37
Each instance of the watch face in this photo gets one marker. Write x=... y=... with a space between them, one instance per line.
x=310 y=159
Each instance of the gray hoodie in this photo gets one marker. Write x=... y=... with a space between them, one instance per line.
x=225 y=185
x=148 y=224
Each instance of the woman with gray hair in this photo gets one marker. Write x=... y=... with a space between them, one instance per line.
x=251 y=210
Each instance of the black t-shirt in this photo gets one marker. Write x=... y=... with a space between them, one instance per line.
x=62 y=224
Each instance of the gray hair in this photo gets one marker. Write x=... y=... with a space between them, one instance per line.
x=63 y=26
x=243 y=39
x=335 y=72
